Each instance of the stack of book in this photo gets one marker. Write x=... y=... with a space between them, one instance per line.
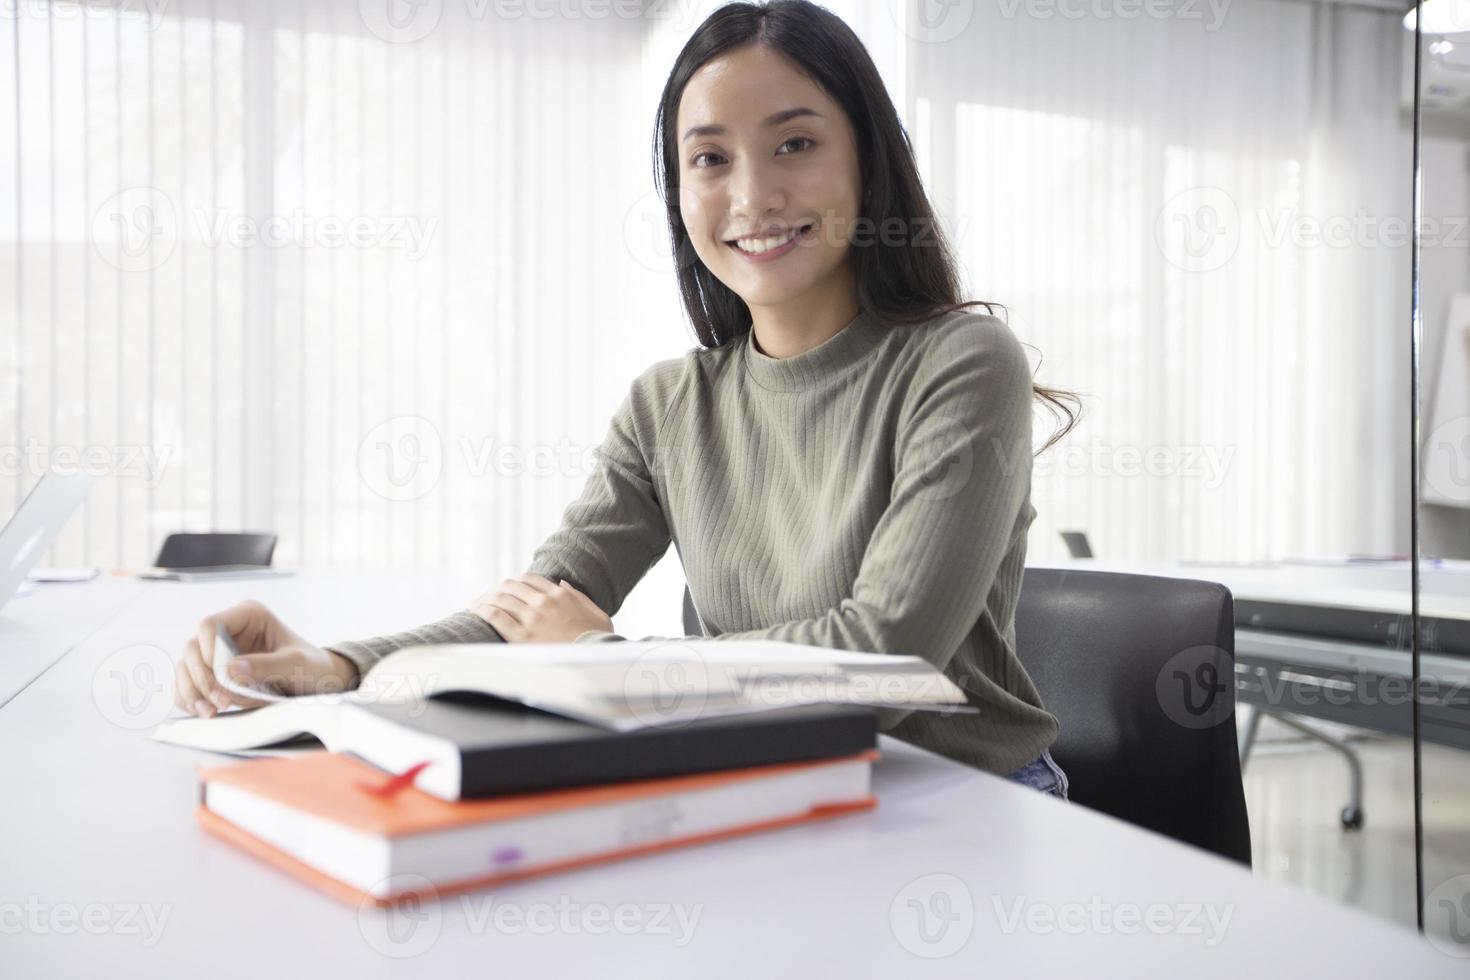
x=458 y=767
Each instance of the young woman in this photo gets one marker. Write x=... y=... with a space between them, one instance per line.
x=846 y=463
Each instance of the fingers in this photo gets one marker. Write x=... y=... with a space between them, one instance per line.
x=547 y=587
x=580 y=596
x=512 y=599
x=505 y=605
x=282 y=672
x=519 y=607
x=205 y=645
x=243 y=615
x=186 y=696
x=538 y=582
x=522 y=592
x=247 y=622
x=195 y=688
x=503 y=622
x=195 y=684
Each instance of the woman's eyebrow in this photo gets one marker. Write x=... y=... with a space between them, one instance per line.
x=776 y=119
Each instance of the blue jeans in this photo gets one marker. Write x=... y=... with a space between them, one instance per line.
x=1044 y=774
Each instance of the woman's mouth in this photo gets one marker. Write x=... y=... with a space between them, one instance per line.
x=767 y=249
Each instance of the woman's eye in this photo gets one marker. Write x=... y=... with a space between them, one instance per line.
x=715 y=158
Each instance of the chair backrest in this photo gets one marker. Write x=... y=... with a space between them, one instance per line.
x=1139 y=670
x=1077 y=544
x=188 y=550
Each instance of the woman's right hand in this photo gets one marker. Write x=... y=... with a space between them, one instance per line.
x=272 y=655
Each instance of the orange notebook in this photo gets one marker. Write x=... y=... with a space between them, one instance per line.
x=322 y=817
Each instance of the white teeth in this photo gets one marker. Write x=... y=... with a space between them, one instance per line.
x=756 y=246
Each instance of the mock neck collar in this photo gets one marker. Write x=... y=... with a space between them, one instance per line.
x=812 y=367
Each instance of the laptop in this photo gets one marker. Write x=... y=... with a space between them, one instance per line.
x=40 y=517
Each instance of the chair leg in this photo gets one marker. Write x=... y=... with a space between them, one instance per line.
x=1245 y=735
x=1352 y=814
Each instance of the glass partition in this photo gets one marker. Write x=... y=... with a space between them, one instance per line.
x=1442 y=471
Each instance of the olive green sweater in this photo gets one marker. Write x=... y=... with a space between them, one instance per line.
x=869 y=494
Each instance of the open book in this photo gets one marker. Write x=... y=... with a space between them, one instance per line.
x=639 y=684
x=410 y=708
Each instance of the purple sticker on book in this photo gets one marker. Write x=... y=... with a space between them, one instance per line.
x=506 y=855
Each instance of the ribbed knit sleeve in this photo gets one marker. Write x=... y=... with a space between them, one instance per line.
x=962 y=473
x=460 y=627
x=609 y=536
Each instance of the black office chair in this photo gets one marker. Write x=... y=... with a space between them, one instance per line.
x=1077 y=544
x=1140 y=671
x=215 y=549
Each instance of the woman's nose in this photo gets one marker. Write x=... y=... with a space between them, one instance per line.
x=755 y=190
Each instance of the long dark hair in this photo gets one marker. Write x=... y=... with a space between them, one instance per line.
x=906 y=282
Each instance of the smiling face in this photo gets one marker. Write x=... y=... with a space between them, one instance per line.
x=769 y=180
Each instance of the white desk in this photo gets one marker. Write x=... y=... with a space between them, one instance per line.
x=98 y=815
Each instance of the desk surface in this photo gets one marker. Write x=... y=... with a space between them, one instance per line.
x=956 y=872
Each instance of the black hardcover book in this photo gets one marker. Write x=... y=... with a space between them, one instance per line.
x=484 y=746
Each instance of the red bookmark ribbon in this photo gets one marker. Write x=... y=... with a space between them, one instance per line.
x=395 y=784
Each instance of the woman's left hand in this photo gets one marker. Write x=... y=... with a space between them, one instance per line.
x=534 y=609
